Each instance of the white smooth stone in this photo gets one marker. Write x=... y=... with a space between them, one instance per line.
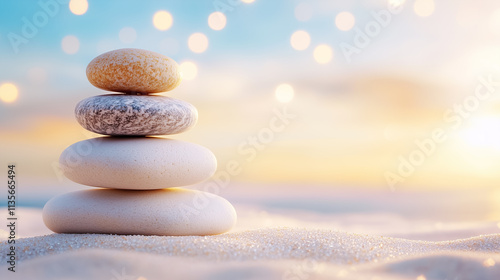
x=173 y=211
x=137 y=163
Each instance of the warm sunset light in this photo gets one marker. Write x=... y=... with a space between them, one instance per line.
x=284 y=93
x=489 y=262
x=300 y=40
x=479 y=135
x=162 y=20
x=217 y=21
x=345 y=21
x=424 y=8
x=8 y=92
x=323 y=54
x=198 y=42
x=290 y=139
x=395 y=3
x=189 y=70
x=78 y=7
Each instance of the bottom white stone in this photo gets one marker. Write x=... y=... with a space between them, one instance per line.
x=173 y=211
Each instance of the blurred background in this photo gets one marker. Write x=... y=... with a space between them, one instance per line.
x=365 y=95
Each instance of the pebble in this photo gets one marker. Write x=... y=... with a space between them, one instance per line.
x=135 y=115
x=134 y=71
x=138 y=163
x=160 y=212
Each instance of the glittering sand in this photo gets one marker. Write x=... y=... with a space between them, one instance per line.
x=273 y=253
x=255 y=253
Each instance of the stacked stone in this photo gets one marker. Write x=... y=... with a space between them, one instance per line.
x=139 y=176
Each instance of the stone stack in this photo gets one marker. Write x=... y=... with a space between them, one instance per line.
x=138 y=176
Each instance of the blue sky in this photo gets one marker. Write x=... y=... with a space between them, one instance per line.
x=354 y=115
x=251 y=28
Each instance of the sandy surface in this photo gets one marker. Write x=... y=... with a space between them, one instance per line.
x=267 y=245
x=112 y=264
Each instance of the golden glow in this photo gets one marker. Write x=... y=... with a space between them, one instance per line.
x=396 y=3
x=217 y=21
x=300 y=40
x=189 y=70
x=8 y=93
x=162 y=20
x=284 y=93
x=323 y=54
x=127 y=35
x=78 y=7
x=424 y=8
x=489 y=262
x=494 y=201
x=342 y=273
x=303 y=11
x=480 y=135
x=421 y=277
x=248 y=1
x=345 y=21
x=198 y=42
x=70 y=44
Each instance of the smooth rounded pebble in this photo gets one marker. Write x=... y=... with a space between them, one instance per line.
x=134 y=71
x=143 y=163
x=115 y=114
x=160 y=212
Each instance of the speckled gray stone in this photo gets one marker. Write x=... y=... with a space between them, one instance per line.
x=135 y=115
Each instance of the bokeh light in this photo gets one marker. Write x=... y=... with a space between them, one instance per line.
x=284 y=93
x=163 y=20
x=70 y=44
x=489 y=262
x=198 y=42
x=78 y=7
x=217 y=21
x=8 y=92
x=189 y=70
x=127 y=35
x=300 y=40
x=395 y=3
x=37 y=75
x=424 y=8
x=345 y=21
x=247 y=1
x=323 y=54
x=303 y=11
x=479 y=135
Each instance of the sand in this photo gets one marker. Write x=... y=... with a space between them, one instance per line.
x=264 y=246
x=118 y=265
x=272 y=243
